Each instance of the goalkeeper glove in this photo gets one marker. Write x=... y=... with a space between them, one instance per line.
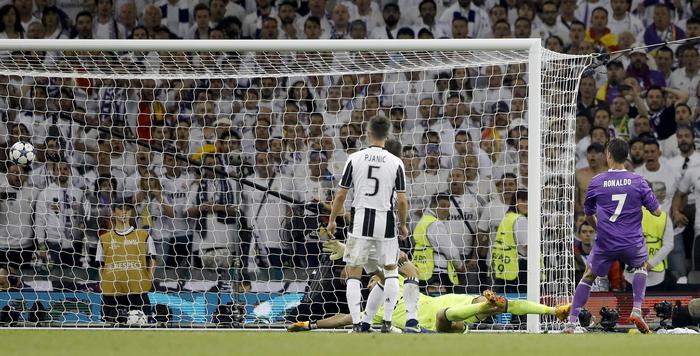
x=335 y=248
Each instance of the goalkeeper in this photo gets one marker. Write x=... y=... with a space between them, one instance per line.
x=449 y=313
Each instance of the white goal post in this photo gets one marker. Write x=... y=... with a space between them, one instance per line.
x=551 y=80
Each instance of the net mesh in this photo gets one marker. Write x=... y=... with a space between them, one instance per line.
x=195 y=187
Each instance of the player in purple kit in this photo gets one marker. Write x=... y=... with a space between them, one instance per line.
x=613 y=206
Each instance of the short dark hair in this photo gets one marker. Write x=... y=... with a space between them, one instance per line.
x=685 y=47
x=651 y=141
x=409 y=148
x=665 y=49
x=521 y=195
x=394 y=147
x=313 y=19
x=509 y=175
x=200 y=7
x=123 y=203
x=579 y=23
x=520 y=19
x=426 y=2
x=595 y=147
x=379 y=127
x=685 y=106
x=288 y=3
x=614 y=63
x=635 y=140
x=435 y=199
x=425 y=32
x=584 y=223
x=83 y=13
x=600 y=8
x=686 y=127
x=655 y=88
x=618 y=150
x=596 y=128
x=458 y=17
x=406 y=31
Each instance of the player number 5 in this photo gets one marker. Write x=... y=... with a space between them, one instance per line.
x=375 y=179
x=620 y=199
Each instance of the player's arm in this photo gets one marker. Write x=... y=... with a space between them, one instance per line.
x=151 y=255
x=666 y=245
x=337 y=208
x=589 y=205
x=593 y=221
x=680 y=200
x=649 y=199
x=682 y=96
x=335 y=321
x=402 y=201
x=402 y=204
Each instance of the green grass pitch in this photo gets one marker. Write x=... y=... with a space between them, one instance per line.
x=218 y=343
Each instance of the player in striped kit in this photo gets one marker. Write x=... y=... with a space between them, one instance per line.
x=374 y=174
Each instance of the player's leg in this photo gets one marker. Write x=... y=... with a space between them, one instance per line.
x=520 y=307
x=452 y=319
x=581 y=295
x=389 y=249
x=598 y=264
x=355 y=256
x=375 y=298
x=110 y=309
x=411 y=293
x=636 y=258
x=444 y=325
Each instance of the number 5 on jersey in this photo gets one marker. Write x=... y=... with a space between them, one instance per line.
x=375 y=179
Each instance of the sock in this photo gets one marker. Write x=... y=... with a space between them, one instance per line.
x=464 y=312
x=639 y=285
x=583 y=291
x=391 y=292
x=354 y=296
x=410 y=298
x=524 y=307
x=374 y=301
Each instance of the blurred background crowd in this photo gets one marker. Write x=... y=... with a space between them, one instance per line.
x=463 y=135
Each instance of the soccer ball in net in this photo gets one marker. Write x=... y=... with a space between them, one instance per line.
x=136 y=318
x=22 y=153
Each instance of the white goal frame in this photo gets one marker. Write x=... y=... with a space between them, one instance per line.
x=533 y=46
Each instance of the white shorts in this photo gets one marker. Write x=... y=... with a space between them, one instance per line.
x=373 y=223
x=372 y=254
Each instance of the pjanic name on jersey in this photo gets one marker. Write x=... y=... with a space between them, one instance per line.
x=375 y=158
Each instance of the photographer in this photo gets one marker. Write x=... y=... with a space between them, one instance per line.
x=17 y=201
x=127 y=258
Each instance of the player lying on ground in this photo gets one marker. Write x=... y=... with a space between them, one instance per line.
x=449 y=313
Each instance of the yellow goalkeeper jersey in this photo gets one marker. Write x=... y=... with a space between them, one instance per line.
x=428 y=307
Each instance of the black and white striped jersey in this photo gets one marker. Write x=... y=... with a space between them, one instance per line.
x=374 y=174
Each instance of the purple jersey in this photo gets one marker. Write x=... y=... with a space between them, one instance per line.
x=617 y=197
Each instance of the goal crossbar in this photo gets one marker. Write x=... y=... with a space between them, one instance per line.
x=268 y=45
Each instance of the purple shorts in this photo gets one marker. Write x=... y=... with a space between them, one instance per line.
x=600 y=261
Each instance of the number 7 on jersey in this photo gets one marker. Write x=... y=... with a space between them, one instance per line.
x=620 y=199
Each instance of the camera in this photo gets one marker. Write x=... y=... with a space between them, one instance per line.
x=609 y=318
x=663 y=310
x=584 y=317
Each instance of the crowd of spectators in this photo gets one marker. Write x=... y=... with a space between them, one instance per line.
x=178 y=148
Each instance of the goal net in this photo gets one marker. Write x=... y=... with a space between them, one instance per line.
x=188 y=184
